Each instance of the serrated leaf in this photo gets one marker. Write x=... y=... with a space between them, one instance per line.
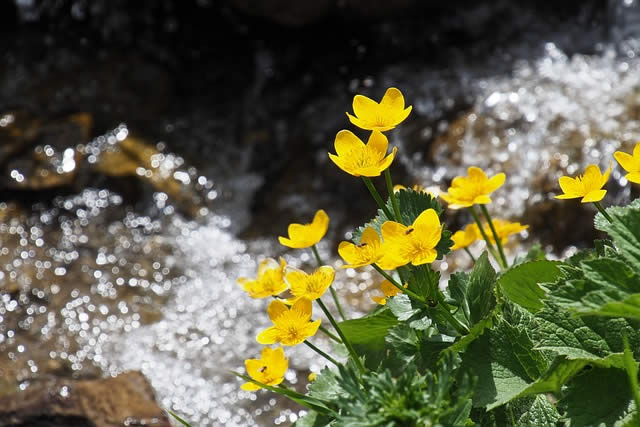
x=536 y=412
x=401 y=307
x=457 y=287
x=505 y=363
x=325 y=387
x=598 y=398
x=367 y=335
x=480 y=287
x=410 y=346
x=593 y=339
x=624 y=230
x=521 y=284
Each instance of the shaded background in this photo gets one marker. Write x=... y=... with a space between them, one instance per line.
x=151 y=151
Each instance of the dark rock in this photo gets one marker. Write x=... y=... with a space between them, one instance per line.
x=124 y=400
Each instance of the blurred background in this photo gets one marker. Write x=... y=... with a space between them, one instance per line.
x=152 y=151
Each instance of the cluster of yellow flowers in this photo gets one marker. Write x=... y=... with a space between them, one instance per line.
x=396 y=245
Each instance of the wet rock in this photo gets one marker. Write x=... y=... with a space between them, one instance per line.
x=124 y=400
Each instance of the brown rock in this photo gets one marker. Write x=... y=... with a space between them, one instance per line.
x=125 y=400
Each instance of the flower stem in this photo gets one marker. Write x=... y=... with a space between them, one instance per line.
x=344 y=339
x=470 y=254
x=392 y=196
x=334 y=295
x=603 y=212
x=376 y=196
x=397 y=285
x=321 y=353
x=495 y=235
x=490 y=247
x=330 y=335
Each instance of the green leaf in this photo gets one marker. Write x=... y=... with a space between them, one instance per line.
x=178 y=418
x=367 y=335
x=536 y=412
x=480 y=287
x=598 y=397
x=400 y=306
x=300 y=399
x=624 y=230
x=505 y=363
x=325 y=387
x=457 y=287
x=313 y=419
x=521 y=283
x=408 y=345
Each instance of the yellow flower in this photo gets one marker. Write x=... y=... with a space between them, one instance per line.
x=388 y=290
x=415 y=243
x=310 y=286
x=291 y=325
x=306 y=235
x=312 y=377
x=504 y=229
x=588 y=186
x=474 y=189
x=383 y=116
x=270 y=280
x=358 y=159
x=368 y=251
x=269 y=369
x=464 y=238
x=630 y=163
x=434 y=191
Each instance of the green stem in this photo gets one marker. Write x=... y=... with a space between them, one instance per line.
x=603 y=212
x=470 y=254
x=443 y=308
x=334 y=295
x=397 y=285
x=490 y=247
x=344 y=339
x=330 y=335
x=495 y=235
x=392 y=196
x=321 y=353
x=376 y=196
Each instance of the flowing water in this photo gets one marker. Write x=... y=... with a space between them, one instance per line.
x=95 y=283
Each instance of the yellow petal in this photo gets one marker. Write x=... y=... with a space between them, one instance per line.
x=286 y=242
x=343 y=164
x=388 y=289
x=320 y=223
x=370 y=236
x=633 y=177
x=636 y=151
x=425 y=256
x=276 y=309
x=605 y=177
x=250 y=387
x=428 y=218
x=393 y=99
x=567 y=196
x=267 y=264
x=379 y=300
x=346 y=142
x=392 y=230
x=378 y=143
x=594 y=196
x=364 y=107
x=570 y=186
x=311 y=328
x=476 y=174
x=268 y=336
x=303 y=307
x=482 y=200
x=254 y=366
x=495 y=182
x=627 y=161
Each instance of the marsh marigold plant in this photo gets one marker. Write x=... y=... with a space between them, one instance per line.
x=367 y=251
x=310 y=286
x=359 y=159
x=587 y=186
x=291 y=325
x=306 y=235
x=269 y=369
x=630 y=163
x=473 y=189
x=270 y=280
x=380 y=116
